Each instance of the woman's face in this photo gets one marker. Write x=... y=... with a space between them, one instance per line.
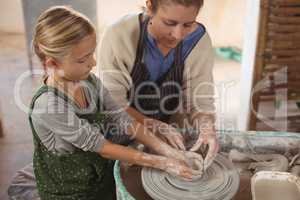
x=78 y=64
x=171 y=23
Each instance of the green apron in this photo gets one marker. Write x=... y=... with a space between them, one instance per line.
x=76 y=176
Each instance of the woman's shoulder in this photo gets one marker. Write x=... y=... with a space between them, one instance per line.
x=205 y=40
x=202 y=51
x=126 y=25
x=203 y=47
x=119 y=41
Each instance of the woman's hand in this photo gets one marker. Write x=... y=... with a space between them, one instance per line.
x=168 y=134
x=207 y=138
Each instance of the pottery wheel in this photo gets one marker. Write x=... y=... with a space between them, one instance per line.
x=219 y=182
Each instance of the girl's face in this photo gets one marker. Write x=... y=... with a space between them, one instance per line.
x=78 y=64
x=171 y=23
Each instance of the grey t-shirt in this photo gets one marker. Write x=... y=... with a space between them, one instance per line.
x=62 y=131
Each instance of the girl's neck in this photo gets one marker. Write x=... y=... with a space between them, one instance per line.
x=55 y=78
x=72 y=89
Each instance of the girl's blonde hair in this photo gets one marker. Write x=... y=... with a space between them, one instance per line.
x=57 y=30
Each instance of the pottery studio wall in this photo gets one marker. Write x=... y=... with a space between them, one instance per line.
x=223 y=19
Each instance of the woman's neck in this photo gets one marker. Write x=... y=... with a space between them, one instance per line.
x=164 y=50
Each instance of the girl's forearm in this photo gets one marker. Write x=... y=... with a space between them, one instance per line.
x=127 y=154
x=149 y=139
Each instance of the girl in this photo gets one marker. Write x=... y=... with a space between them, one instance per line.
x=159 y=63
x=76 y=125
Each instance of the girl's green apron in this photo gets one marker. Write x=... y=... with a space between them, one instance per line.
x=76 y=176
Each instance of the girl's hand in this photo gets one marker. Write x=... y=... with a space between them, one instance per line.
x=178 y=168
x=192 y=159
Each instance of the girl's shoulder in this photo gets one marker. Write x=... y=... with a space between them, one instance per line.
x=48 y=101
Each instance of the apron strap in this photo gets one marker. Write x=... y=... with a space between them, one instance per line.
x=45 y=88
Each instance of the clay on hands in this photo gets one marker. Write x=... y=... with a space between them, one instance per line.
x=209 y=139
x=175 y=167
x=168 y=134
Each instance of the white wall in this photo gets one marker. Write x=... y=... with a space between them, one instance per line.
x=11 y=16
x=251 y=30
x=224 y=19
x=111 y=10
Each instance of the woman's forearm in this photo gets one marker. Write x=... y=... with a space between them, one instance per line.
x=152 y=124
x=204 y=121
x=137 y=115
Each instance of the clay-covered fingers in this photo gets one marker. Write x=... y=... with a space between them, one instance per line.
x=192 y=156
x=212 y=152
x=198 y=144
x=174 y=138
x=178 y=168
x=180 y=142
x=176 y=141
x=195 y=161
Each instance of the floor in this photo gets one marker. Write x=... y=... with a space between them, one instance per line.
x=16 y=145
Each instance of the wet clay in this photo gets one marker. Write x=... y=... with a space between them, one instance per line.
x=276 y=190
x=220 y=182
x=131 y=177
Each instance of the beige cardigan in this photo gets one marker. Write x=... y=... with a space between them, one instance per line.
x=117 y=55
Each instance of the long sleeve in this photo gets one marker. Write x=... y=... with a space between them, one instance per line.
x=117 y=54
x=198 y=86
x=117 y=120
x=60 y=129
x=114 y=73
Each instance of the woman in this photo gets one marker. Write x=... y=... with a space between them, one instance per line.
x=159 y=63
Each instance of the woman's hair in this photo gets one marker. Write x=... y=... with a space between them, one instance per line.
x=57 y=30
x=156 y=3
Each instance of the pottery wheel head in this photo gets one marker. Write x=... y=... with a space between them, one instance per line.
x=220 y=182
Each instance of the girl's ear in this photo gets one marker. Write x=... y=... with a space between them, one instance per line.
x=51 y=63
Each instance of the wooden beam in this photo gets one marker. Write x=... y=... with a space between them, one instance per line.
x=285 y=11
x=279 y=28
x=278 y=53
x=284 y=37
x=285 y=3
x=283 y=61
x=280 y=45
x=284 y=20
